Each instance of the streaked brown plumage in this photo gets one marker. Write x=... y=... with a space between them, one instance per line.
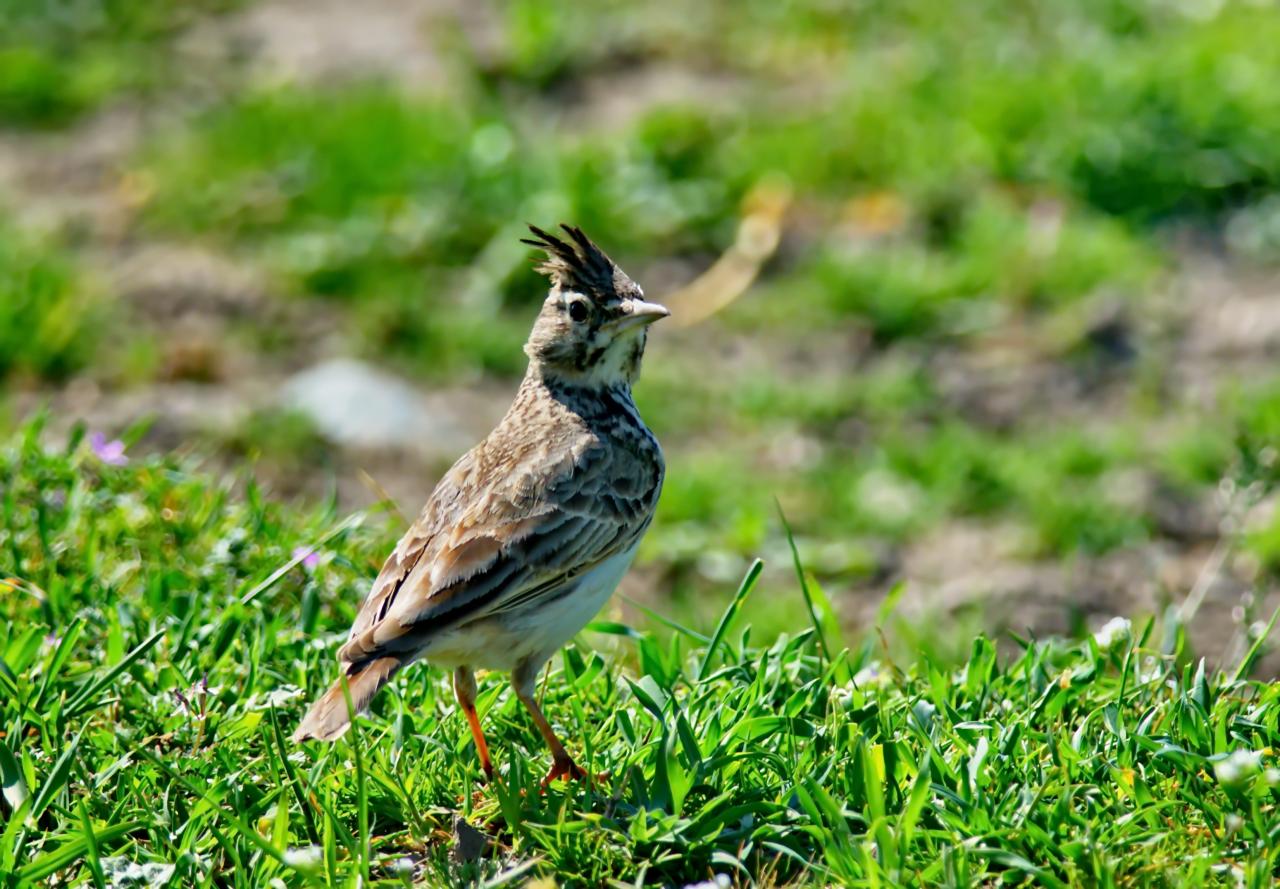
x=527 y=535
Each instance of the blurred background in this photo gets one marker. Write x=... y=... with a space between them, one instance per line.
x=980 y=294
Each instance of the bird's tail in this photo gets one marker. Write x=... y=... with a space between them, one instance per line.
x=328 y=718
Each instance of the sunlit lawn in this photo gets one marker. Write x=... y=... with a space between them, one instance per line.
x=161 y=637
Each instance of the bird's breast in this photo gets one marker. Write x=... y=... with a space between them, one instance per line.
x=535 y=631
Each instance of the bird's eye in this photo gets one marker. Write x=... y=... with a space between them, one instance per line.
x=578 y=311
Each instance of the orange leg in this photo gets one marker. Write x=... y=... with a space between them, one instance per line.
x=464 y=686
x=562 y=764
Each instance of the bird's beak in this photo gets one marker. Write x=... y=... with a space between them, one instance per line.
x=641 y=313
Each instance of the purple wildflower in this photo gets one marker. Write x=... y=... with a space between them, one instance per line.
x=109 y=452
x=310 y=558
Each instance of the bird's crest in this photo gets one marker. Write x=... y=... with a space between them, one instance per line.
x=580 y=266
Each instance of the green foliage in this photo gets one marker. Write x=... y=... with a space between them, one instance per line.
x=1008 y=142
x=36 y=86
x=371 y=198
x=957 y=171
x=59 y=60
x=1008 y=137
x=1188 y=124
x=47 y=317
x=160 y=637
x=405 y=209
x=274 y=434
x=1068 y=490
x=989 y=258
x=1144 y=113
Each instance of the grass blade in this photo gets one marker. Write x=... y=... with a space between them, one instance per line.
x=274 y=577
x=91 y=848
x=666 y=621
x=57 y=777
x=11 y=780
x=84 y=700
x=63 y=856
x=1251 y=656
x=59 y=658
x=804 y=585
x=730 y=612
x=291 y=776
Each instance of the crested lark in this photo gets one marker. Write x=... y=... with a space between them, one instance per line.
x=527 y=535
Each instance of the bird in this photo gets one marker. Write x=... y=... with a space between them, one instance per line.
x=525 y=538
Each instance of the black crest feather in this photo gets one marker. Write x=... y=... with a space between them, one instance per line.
x=579 y=266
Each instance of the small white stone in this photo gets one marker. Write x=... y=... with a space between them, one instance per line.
x=303 y=857
x=1118 y=629
x=872 y=674
x=841 y=695
x=278 y=697
x=1237 y=767
x=719 y=881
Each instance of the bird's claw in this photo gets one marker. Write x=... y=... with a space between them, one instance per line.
x=567 y=768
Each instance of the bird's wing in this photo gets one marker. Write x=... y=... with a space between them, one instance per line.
x=499 y=533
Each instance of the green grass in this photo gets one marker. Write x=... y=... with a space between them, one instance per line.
x=999 y=259
x=985 y=138
x=395 y=205
x=410 y=211
x=160 y=640
x=884 y=459
x=1142 y=110
x=1008 y=174
x=59 y=61
x=962 y=177
x=48 y=311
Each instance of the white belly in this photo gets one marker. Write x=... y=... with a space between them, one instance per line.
x=531 y=634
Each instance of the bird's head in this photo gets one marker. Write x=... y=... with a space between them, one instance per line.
x=592 y=328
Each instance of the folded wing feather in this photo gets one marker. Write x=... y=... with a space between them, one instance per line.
x=508 y=550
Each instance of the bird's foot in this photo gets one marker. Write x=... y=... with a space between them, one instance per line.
x=567 y=768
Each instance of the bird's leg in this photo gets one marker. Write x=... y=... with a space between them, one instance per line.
x=464 y=686
x=562 y=764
